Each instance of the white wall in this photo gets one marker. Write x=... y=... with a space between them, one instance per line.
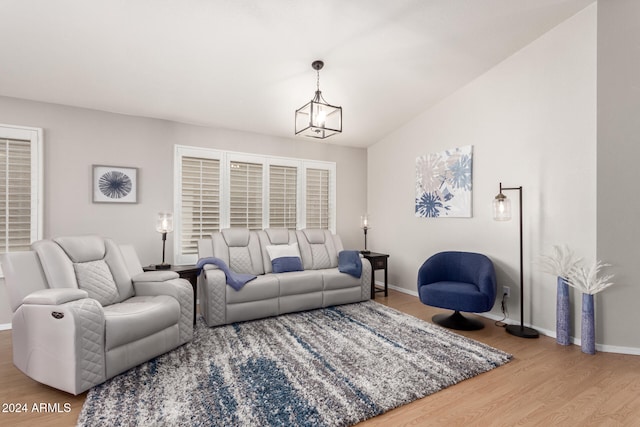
x=618 y=153
x=532 y=122
x=75 y=139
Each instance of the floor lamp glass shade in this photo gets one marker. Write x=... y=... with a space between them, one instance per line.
x=501 y=208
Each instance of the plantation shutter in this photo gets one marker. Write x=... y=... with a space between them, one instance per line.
x=317 y=198
x=283 y=196
x=245 y=194
x=16 y=224
x=200 y=201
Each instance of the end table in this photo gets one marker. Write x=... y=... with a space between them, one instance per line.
x=189 y=272
x=378 y=262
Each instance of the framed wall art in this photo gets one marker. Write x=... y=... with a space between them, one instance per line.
x=443 y=184
x=115 y=184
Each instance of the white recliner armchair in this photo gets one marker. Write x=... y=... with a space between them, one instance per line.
x=84 y=311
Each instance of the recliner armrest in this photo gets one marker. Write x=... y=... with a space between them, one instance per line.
x=155 y=276
x=178 y=288
x=55 y=296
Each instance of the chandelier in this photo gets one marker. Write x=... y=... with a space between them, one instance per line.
x=318 y=119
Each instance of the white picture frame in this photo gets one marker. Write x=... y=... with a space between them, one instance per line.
x=115 y=184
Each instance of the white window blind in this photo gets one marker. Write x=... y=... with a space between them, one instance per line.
x=283 y=188
x=317 y=190
x=200 y=201
x=20 y=187
x=216 y=189
x=15 y=195
x=245 y=195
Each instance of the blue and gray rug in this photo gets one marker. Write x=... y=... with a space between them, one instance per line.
x=331 y=367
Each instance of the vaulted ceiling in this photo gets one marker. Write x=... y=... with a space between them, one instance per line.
x=246 y=64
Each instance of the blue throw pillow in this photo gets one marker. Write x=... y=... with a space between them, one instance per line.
x=286 y=264
x=285 y=258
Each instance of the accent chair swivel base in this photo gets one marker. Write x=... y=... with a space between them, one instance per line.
x=457 y=321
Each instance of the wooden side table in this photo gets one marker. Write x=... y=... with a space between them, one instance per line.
x=378 y=262
x=189 y=272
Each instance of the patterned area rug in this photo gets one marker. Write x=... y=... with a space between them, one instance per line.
x=331 y=367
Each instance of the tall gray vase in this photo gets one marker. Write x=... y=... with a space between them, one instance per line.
x=563 y=314
x=588 y=325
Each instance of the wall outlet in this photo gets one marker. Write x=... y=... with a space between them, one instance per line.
x=506 y=291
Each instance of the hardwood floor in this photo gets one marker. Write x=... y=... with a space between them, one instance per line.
x=545 y=384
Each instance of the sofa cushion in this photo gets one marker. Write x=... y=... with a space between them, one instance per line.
x=299 y=282
x=236 y=236
x=315 y=236
x=139 y=317
x=262 y=287
x=284 y=258
x=95 y=278
x=333 y=279
x=278 y=236
x=240 y=249
x=82 y=248
x=318 y=249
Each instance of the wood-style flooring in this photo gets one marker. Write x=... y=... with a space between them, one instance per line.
x=544 y=385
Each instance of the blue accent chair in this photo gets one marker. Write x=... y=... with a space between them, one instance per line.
x=459 y=281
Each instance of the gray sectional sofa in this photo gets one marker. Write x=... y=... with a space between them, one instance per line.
x=318 y=284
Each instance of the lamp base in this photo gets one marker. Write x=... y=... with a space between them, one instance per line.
x=522 y=331
x=163 y=266
x=365 y=252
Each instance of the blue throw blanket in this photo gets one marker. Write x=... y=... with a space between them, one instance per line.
x=235 y=280
x=349 y=262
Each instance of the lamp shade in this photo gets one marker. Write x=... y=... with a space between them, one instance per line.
x=318 y=119
x=364 y=221
x=164 y=223
x=501 y=208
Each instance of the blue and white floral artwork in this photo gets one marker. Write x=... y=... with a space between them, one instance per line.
x=443 y=184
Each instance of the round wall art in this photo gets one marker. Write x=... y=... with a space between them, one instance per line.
x=115 y=184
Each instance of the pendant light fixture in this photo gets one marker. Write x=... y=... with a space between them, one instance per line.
x=318 y=119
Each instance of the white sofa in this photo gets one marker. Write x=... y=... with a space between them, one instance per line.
x=320 y=284
x=84 y=311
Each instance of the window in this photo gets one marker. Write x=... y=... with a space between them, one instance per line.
x=200 y=190
x=20 y=187
x=245 y=192
x=220 y=189
x=283 y=189
x=317 y=198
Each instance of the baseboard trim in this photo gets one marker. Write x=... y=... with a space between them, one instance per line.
x=5 y=326
x=399 y=289
x=576 y=341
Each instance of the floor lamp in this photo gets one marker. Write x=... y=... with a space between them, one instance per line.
x=502 y=212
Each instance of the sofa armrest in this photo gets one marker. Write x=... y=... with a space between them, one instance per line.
x=155 y=276
x=61 y=345
x=365 y=278
x=55 y=296
x=212 y=287
x=180 y=289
